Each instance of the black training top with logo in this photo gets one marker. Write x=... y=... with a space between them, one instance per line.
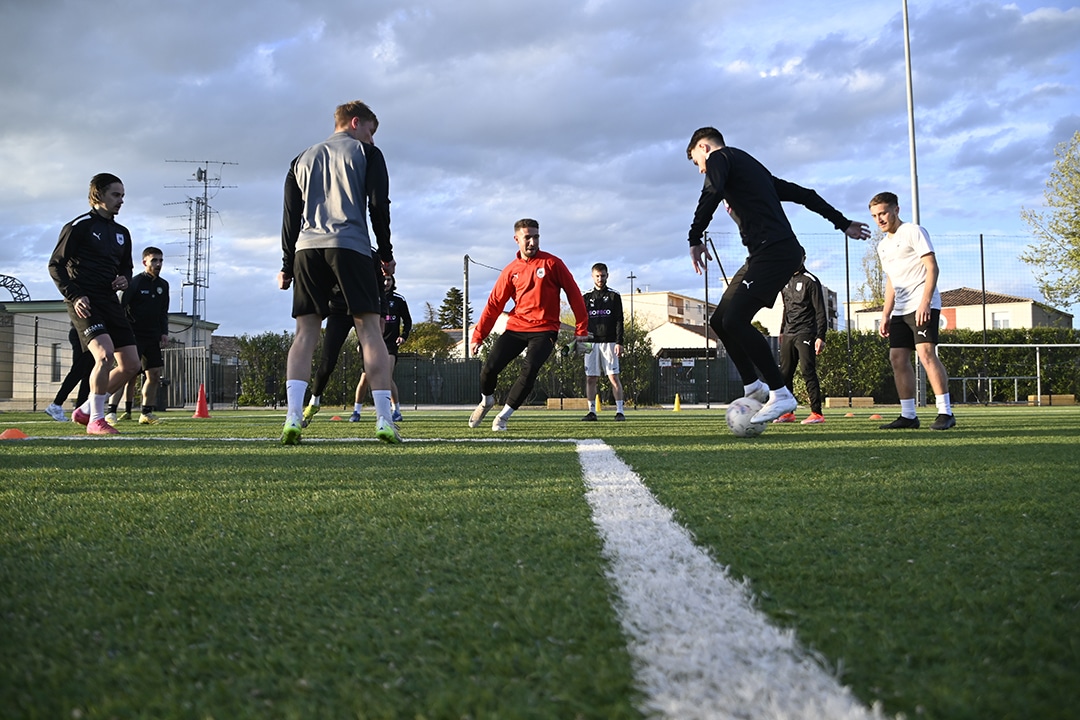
x=398 y=319
x=605 y=315
x=91 y=252
x=804 y=306
x=147 y=304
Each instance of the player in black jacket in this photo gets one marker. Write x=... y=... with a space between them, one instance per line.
x=753 y=196
x=91 y=262
x=606 y=327
x=397 y=325
x=802 y=337
x=146 y=302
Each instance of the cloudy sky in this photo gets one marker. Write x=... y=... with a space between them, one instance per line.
x=575 y=113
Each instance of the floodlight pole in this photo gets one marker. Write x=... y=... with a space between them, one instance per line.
x=633 y=337
x=911 y=121
x=920 y=379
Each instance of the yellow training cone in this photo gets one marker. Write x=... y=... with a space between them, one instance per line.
x=598 y=406
x=678 y=405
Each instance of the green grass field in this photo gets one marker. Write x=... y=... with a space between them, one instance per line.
x=200 y=570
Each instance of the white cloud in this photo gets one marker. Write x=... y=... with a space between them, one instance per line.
x=575 y=114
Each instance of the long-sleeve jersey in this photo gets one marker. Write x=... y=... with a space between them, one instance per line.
x=91 y=252
x=327 y=190
x=605 y=315
x=534 y=285
x=397 y=317
x=753 y=198
x=146 y=302
x=804 y=307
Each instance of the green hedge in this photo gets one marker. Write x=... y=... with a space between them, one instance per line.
x=871 y=374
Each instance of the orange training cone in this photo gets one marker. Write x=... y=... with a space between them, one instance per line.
x=200 y=408
x=13 y=434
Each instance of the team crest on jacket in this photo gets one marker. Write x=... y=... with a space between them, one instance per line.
x=160 y=290
x=798 y=286
x=540 y=273
x=119 y=238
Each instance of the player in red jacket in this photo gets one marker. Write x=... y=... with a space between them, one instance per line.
x=533 y=281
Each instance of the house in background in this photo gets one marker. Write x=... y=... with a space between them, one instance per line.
x=675 y=324
x=967 y=309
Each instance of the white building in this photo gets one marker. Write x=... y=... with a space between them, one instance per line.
x=967 y=309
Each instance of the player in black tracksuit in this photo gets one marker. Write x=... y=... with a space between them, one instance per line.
x=91 y=262
x=397 y=324
x=146 y=302
x=802 y=336
x=753 y=196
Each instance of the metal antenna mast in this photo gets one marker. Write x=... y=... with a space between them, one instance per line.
x=198 y=270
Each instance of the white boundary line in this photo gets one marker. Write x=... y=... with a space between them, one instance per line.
x=700 y=648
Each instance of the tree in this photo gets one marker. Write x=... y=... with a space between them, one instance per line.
x=872 y=290
x=262 y=359
x=450 y=311
x=427 y=339
x=1056 y=255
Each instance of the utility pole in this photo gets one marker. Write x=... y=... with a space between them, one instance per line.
x=465 y=311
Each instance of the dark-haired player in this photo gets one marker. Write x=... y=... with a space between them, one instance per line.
x=753 y=196
x=91 y=262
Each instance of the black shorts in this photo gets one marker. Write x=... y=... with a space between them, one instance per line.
x=767 y=271
x=107 y=317
x=317 y=271
x=904 y=333
x=150 y=352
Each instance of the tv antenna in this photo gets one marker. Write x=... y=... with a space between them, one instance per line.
x=199 y=235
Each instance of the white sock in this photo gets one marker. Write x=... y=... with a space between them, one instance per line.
x=782 y=393
x=294 y=393
x=506 y=412
x=357 y=407
x=618 y=406
x=752 y=387
x=944 y=404
x=488 y=400
x=592 y=406
x=315 y=400
x=97 y=406
x=381 y=400
x=907 y=408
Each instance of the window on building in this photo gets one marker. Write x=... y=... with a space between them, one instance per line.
x=57 y=373
x=1000 y=320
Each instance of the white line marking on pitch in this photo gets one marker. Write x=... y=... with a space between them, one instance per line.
x=700 y=648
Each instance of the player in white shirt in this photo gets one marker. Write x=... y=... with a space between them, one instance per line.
x=911 y=312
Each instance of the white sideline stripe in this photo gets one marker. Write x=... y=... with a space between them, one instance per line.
x=700 y=649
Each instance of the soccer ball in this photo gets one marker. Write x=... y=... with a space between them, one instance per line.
x=739 y=413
